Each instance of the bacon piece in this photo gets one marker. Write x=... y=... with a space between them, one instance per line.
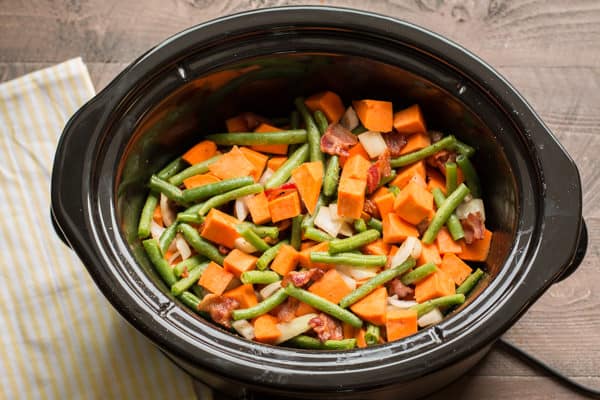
x=280 y=190
x=380 y=169
x=395 y=142
x=252 y=120
x=435 y=136
x=422 y=226
x=326 y=328
x=373 y=178
x=371 y=208
x=301 y=278
x=473 y=227
x=337 y=140
x=219 y=308
x=439 y=159
x=401 y=290
x=287 y=311
x=223 y=250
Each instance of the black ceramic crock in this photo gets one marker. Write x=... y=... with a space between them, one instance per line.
x=184 y=88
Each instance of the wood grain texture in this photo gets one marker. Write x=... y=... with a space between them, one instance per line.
x=548 y=49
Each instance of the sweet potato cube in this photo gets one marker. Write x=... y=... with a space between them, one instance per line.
x=416 y=142
x=275 y=162
x=331 y=287
x=400 y=324
x=351 y=197
x=414 y=203
x=308 y=178
x=238 y=262
x=478 y=250
x=215 y=279
x=377 y=248
x=375 y=115
x=232 y=164
x=270 y=148
x=285 y=260
x=415 y=171
x=244 y=295
x=356 y=168
x=361 y=343
x=200 y=152
x=257 y=159
x=429 y=254
x=396 y=230
x=456 y=268
x=438 y=284
x=304 y=256
x=329 y=103
x=385 y=203
x=372 y=308
x=284 y=207
x=357 y=149
x=304 y=309
x=258 y=205
x=265 y=329
x=409 y=121
x=445 y=243
x=220 y=228
x=435 y=180
x=200 y=180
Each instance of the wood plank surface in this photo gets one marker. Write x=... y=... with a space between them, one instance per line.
x=548 y=49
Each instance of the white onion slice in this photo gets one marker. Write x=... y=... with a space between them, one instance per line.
x=403 y=304
x=326 y=221
x=182 y=247
x=295 y=327
x=472 y=206
x=156 y=230
x=244 y=328
x=333 y=209
x=346 y=229
x=167 y=211
x=351 y=283
x=432 y=317
x=358 y=273
x=173 y=257
x=373 y=143
x=349 y=119
x=411 y=247
x=243 y=245
x=240 y=209
x=271 y=288
x=265 y=176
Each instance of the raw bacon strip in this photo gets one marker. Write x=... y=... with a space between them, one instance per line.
x=337 y=140
x=473 y=227
x=326 y=328
x=219 y=308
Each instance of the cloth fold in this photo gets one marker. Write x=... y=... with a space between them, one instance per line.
x=59 y=337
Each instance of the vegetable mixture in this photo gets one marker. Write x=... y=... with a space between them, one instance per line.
x=332 y=229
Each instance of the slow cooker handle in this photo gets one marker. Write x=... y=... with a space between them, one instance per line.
x=582 y=243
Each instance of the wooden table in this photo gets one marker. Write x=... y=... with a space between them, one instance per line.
x=548 y=49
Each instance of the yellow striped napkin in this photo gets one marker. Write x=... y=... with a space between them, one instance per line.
x=59 y=337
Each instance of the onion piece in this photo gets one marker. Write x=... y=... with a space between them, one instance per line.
x=167 y=210
x=411 y=247
x=333 y=209
x=173 y=257
x=328 y=221
x=349 y=119
x=351 y=283
x=373 y=143
x=268 y=290
x=182 y=247
x=432 y=317
x=244 y=328
x=472 y=206
x=243 y=245
x=156 y=230
x=295 y=327
x=358 y=273
x=265 y=176
x=403 y=304
x=346 y=229
x=240 y=209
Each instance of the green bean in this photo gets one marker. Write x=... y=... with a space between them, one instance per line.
x=261 y=308
x=360 y=225
x=200 y=245
x=353 y=242
x=296 y=236
x=470 y=175
x=171 y=191
x=252 y=238
x=147 y=215
x=463 y=148
x=251 y=138
x=387 y=179
x=312 y=131
x=260 y=277
x=199 y=291
x=317 y=235
x=428 y=151
x=189 y=218
x=453 y=224
x=225 y=198
x=358 y=260
x=380 y=279
x=470 y=282
x=190 y=300
x=451 y=178
x=444 y=212
x=195 y=169
x=372 y=335
x=167 y=237
x=160 y=264
x=395 y=190
x=321 y=121
x=284 y=172
x=451 y=300
x=323 y=305
x=309 y=220
x=419 y=273
x=374 y=223
x=188 y=264
x=269 y=255
x=212 y=189
x=332 y=176
x=266 y=231
x=308 y=342
x=295 y=120
x=172 y=168
x=184 y=284
x=359 y=129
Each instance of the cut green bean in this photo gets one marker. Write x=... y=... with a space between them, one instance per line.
x=212 y=189
x=225 y=198
x=453 y=224
x=444 y=212
x=372 y=335
x=284 y=172
x=321 y=121
x=189 y=218
x=195 y=169
x=378 y=280
x=395 y=190
x=160 y=264
x=419 y=273
x=147 y=215
x=296 y=236
x=374 y=223
x=312 y=131
x=200 y=245
x=308 y=342
x=190 y=300
x=359 y=129
x=295 y=120
x=353 y=242
x=187 y=265
x=269 y=255
x=172 y=168
x=261 y=308
x=463 y=148
x=470 y=282
x=419 y=155
x=446 y=301
x=251 y=237
x=260 y=277
x=353 y=259
x=265 y=138
x=332 y=176
x=271 y=232
x=360 y=225
x=451 y=178
x=471 y=177
x=164 y=187
x=309 y=220
x=199 y=291
x=323 y=305
x=184 y=284
x=167 y=237
x=317 y=235
x=387 y=179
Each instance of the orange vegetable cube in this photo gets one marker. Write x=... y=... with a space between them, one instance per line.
x=429 y=254
x=416 y=142
x=215 y=279
x=435 y=180
x=351 y=197
x=308 y=178
x=304 y=256
x=409 y=173
x=361 y=343
x=200 y=152
x=400 y=324
x=258 y=205
x=329 y=103
x=199 y=180
x=396 y=230
x=244 y=122
x=275 y=162
x=348 y=330
x=385 y=203
x=284 y=207
x=238 y=262
x=304 y=309
x=375 y=115
x=356 y=168
x=285 y=260
x=265 y=329
x=377 y=248
x=445 y=243
x=372 y=308
x=438 y=284
x=257 y=159
x=478 y=250
x=357 y=149
x=456 y=268
x=224 y=166
x=220 y=228
x=414 y=203
x=157 y=216
x=331 y=287
x=270 y=148
x=409 y=120
x=244 y=295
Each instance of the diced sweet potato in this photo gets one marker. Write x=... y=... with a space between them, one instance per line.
x=258 y=205
x=200 y=152
x=220 y=228
x=232 y=164
x=331 y=287
x=244 y=294
x=375 y=115
x=372 y=308
x=416 y=142
x=270 y=148
x=308 y=178
x=396 y=230
x=351 y=197
x=200 y=180
x=238 y=262
x=285 y=260
x=429 y=254
x=414 y=203
x=357 y=149
x=329 y=103
x=438 y=284
x=265 y=329
x=409 y=121
x=356 y=167
x=400 y=324
x=257 y=159
x=275 y=162
x=456 y=268
x=284 y=207
x=409 y=173
x=478 y=250
x=215 y=279
x=445 y=243
x=377 y=248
